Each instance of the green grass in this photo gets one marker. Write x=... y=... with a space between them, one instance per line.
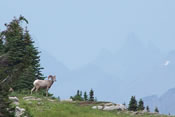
x=46 y=108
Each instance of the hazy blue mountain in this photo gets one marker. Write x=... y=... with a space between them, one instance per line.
x=53 y=67
x=151 y=101
x=163 y=79
x=165 y=103
x=91 y=76
x=136 y=69
x=68 y=82
x=132 y=64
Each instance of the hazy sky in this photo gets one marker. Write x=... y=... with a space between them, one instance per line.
x=75 y=31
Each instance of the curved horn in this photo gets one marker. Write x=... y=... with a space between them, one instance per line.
x=50 y=76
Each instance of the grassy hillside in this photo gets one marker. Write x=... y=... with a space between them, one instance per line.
x=48 y=107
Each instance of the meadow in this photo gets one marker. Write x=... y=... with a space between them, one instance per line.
x=52 y=107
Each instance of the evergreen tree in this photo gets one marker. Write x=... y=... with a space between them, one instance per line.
x=85 y=96
x=25 y=80
x=91 y=95
x=156 y=110
x=141 y=105
x=81 y=94
x=78 y=93
x=1 y=45
x=133 y=104
x=5 y=103
x=33 y=72
x=78 y=96
x=15 y=57
x=124 y=104
x=147 y=109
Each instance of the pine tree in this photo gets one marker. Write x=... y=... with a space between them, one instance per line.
x=33 y=72
x=141 y=105
x=81 y=94
x=25 y=80
x=5 y=103
x=156 y=110
x=133 y=104
x=14 y=59
x=124 y=104
x=147 y=109
x=78 y=93
x=1 y=45
x=78 y=96
x=91 y=95
x=85 y=96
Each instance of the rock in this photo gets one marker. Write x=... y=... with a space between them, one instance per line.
x=51 y=100
x=31 y=98
x=94 y=107
x=15 y=100
x=67 y=100
x=28 y=97
x=110 y=106
x=98 y=107
x=19 y=111
x=121 y=107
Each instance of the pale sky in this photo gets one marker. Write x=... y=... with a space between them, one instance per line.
x=75 y=31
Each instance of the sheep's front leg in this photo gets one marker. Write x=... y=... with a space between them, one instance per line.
x=47 y=91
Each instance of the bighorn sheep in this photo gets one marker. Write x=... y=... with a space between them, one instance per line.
x=45 y=84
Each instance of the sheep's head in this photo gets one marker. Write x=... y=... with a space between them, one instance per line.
x=53 y=78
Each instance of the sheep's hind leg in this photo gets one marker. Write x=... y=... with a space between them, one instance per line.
x=32 y=90
x=36 y=89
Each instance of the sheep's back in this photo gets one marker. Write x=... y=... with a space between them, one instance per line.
x=41 y=83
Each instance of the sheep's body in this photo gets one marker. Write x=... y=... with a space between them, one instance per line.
x=44 y=84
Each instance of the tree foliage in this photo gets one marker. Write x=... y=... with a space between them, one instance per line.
x=156 y=110
x=85 y=96
x=33 y=71
x=147 y=109
x=141 y=105
x=91 y=95
x=19 y=61
x=78 y=96
x=133 y=104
